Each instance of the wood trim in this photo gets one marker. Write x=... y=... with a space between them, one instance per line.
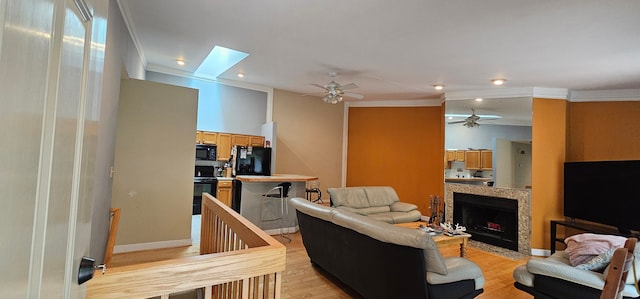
x=234 y=255
x=113 y=231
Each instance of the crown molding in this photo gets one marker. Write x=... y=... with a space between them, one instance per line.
x=523 y=92
x=124 y=11
x=185 y=74
x=605 y=95
x=403 y=103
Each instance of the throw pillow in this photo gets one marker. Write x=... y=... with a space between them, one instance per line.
x=599 y=262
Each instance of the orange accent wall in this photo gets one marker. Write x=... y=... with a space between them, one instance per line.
x=604 y=131
x=402 y=147
x=549 y=132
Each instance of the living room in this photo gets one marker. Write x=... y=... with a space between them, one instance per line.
x=339 y=142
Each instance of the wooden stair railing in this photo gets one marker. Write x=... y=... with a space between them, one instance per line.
x=237 y=260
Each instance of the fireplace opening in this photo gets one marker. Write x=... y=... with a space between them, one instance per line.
x=492 y=220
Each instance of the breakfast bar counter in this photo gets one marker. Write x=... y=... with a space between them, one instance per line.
x=250 y=201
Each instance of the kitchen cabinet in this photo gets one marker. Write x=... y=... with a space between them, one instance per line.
x=450 y=156
x=225 y=189
x=486 y=160
x=224 y=147
x=478 y=160
x=256 y=140
x=460 y=156
x=206 y=137
x=472 y=160
x=240 y=140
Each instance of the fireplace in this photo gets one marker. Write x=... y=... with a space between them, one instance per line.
x=490 y=220
x=521 y=199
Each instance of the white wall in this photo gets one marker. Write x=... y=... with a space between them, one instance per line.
x=458 y=136
x=223 y=108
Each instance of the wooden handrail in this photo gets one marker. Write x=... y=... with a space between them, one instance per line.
x=238 y=260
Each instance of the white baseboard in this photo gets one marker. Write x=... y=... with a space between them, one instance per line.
x=540 y=252
x=151 y=245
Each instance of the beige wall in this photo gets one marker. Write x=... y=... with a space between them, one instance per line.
x=309 y=137
x=153 y=181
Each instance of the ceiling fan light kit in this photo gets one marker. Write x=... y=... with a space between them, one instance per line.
x=335 y=91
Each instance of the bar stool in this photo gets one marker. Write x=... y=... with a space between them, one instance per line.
x=314 y=187
x=270 y=215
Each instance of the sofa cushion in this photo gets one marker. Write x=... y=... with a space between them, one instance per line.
x=522 y=276
x=374 y=210
x=558 y=266
x=381 y=196
x=388 y=233
x=315 y=210
x=402 y=207
x=458 y=269
x=402 y=217
x=353 y=197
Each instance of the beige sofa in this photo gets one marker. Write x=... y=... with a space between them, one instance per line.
x=380 y=203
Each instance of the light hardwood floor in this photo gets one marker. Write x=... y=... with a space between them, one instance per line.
x=302 y=280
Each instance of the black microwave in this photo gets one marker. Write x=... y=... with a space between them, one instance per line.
x=205 y=152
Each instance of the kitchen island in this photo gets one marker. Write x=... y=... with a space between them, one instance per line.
x=250 y=202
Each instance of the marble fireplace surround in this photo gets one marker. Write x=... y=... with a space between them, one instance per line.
x=523 y=196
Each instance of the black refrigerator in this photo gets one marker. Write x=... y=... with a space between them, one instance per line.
x=253 y=160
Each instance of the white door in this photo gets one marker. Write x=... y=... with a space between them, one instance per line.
x=48 y=82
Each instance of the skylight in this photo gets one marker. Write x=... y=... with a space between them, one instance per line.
x=219 y=61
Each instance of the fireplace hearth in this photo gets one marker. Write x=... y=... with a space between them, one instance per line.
x=491 y=220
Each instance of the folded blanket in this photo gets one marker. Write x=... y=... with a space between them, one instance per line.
x=584 y=247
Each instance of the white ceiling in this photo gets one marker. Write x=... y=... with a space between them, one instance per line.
x=397 y=50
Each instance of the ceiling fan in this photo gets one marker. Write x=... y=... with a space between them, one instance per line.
x=335 y=91
x=469 y=122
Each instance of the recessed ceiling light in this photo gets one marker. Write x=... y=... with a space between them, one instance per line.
x=498 y=81
x=180 y=61
x=240 y=75
x=478 y=99
x=438 y=87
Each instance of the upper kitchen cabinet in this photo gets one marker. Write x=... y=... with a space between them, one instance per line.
x=478 y=159
x=224 y=147
x=242 y=140
x=256 y=140
x=460 y=156
x=206 y=137
x=486 y=160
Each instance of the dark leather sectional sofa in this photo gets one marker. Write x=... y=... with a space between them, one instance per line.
x=379 y=260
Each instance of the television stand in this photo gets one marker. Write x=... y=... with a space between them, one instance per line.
x=589 y=228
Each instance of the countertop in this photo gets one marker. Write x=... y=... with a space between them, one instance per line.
x=276 y=178
x=468 y=179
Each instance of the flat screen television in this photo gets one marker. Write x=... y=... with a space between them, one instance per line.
x=605 y=192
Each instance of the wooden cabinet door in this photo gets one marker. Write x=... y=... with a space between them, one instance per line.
x=224 y=192
x=486 y=160
x=224 y=147
x=198 y=137
x=242 y=140
x=209 y=137
x=472 y=160
x=451 y=156
x=460 y=156
x=256 y=140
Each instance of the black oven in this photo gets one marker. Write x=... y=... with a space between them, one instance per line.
x=203 y=181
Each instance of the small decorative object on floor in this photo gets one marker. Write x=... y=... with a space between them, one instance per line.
x=451 y=230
